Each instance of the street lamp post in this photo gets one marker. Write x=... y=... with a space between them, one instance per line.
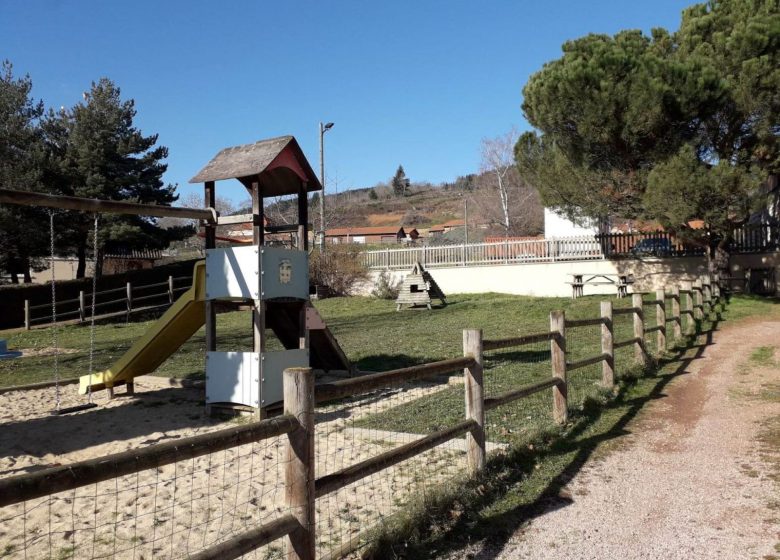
x=323 y=129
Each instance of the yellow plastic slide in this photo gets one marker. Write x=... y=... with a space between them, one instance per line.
x=163 y=338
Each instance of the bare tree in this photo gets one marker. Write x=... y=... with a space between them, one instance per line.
x=501 y=179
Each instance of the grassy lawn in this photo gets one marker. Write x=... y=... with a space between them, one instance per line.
x=372 y=334
x=529 y=478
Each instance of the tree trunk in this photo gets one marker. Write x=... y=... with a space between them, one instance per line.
x=99 y=263
x=81 y=253
x=26 y=269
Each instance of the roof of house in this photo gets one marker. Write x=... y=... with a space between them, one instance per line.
x=278 y=164
x=457 y=222
x=374 y=230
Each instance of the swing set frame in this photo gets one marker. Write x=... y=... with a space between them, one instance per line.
x=95 y=206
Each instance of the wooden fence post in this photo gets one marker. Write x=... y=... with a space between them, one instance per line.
x=639 y=329
x=82 y=306
x=129 y=299
x=660 y=319
x=687 y=287
x=170 y=289
x=558 y=359
x=27 y=314
x=676 y=317
x=475 y=399
x=698 y=312
x=607 y=341
x=707 y=293
x=299 y=471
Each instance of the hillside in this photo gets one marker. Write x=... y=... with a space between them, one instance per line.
x=424 y=205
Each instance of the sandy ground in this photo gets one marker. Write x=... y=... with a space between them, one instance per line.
x=692 y=480
x=179 y=509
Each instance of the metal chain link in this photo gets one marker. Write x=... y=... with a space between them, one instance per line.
x=54 y=341
x=92 y=317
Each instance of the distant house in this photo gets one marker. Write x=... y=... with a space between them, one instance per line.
x=375 y=234
x=446 y=227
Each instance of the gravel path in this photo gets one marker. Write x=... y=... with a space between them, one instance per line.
x=692 y=481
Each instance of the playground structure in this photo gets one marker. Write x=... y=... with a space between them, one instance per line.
x=272 y=281
x=418 y=288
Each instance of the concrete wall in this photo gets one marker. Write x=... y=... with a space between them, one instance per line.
x=550 y=279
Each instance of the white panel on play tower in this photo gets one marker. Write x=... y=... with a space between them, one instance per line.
x=233 y=272
x=249 y=378
x=232 y=377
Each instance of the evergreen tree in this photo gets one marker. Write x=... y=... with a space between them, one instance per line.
x=101 y=154
x=22 y=238
x=399 y=182
x=671 y=127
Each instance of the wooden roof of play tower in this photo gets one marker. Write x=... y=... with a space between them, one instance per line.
x=277 y=164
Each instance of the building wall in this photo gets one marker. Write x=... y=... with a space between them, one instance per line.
x=64 y=269
x=556 y=226
x=550 y=279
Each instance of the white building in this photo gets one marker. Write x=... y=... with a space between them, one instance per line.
x=557 y=226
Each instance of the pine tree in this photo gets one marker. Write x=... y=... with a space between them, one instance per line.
x=21 y=159
x=103 y=155
x=399 y=182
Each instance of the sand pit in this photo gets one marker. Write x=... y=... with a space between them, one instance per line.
x=176 y=510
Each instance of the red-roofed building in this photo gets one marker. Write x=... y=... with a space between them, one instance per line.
x=375 y=234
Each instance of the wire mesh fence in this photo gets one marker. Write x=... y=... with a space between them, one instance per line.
x=367 y=426
x=585 y=382
x=171 y=511
x=519 y=421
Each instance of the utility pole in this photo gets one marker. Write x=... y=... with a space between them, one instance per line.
x=466 y=218
x=323 y=129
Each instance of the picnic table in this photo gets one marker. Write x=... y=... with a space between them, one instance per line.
x=620 y=281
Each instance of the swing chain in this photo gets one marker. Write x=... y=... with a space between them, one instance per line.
x=92 y=317
x=54 y=341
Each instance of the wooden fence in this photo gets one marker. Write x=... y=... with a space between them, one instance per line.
x=689 y=301
x=116 y=302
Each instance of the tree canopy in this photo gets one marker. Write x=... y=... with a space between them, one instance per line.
x=97 y=152
x=21 y=157
x=668 y=127
x=400 y=183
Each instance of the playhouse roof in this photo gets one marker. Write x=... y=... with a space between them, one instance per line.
x=278 y=164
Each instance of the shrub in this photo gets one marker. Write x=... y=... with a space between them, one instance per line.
x=385 y=287
x=339 y=268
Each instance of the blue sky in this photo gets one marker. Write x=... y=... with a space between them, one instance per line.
x=413 y=83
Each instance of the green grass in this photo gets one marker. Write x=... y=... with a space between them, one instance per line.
x=531 y=477
x=763 y=356
x=374 y=336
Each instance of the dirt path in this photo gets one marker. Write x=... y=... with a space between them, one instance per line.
x=695 y=479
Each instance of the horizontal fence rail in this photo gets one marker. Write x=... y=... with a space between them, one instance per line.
x=371 y=382
x=80 y=308
x=517 y=341
x=76 y=475
x=334 y=481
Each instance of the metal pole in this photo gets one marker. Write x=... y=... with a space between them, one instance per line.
x=322 y=192
x=466 y=218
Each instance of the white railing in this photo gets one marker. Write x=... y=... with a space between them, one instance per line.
x=501 y=252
